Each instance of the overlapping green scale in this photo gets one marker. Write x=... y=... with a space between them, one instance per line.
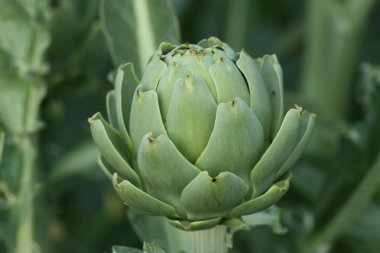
x=228 y=81
x=105 y=167
x=164 y=170
x=217 y=53
x=125 y=85
x=272 y=76
x=112 y=148
x=191 y=116
x=164 y=48
x=155 y=69
x=172 y=73
x=235 y=143
x=135 y=198
x=112 y=109
x=120 y=99
x=264 y=201
x=214 y=42
x=145 y=116
x=208 y=197
x=260 y=102
x=199 y=63
x=295 y=128
x=210 y=42
x=307 y=126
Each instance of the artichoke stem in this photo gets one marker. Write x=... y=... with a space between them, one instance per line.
x=214 y=240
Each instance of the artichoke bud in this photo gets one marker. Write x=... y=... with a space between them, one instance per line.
x=202 y=137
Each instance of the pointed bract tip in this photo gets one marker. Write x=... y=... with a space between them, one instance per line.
x=94 y=117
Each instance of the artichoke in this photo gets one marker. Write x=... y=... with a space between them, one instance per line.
x=202 y=137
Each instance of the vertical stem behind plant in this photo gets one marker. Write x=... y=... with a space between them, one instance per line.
x=237 y=21
x=23 y=210
x=333 y=38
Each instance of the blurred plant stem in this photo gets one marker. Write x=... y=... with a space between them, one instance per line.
x=23 y=42
x=23 y=209
x=2 y=135
x=355 y=204
x=214 y=240
x=237 y=21
x=333 y=37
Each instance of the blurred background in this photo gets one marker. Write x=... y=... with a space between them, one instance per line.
x=54 y=74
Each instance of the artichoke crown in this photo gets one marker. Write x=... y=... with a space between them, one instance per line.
x=201 y=138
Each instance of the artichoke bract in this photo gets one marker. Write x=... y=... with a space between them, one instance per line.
x=202 y=137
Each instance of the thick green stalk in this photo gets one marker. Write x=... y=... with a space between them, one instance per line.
x=317 y=41
x=22 y=215
x=22 y=91
x=2 y=136
x=333 y=38
x=214 y=240
x=355 y=204
x=237 y=21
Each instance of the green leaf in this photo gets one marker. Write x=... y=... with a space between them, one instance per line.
x=80 y=159
x=134 y=29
